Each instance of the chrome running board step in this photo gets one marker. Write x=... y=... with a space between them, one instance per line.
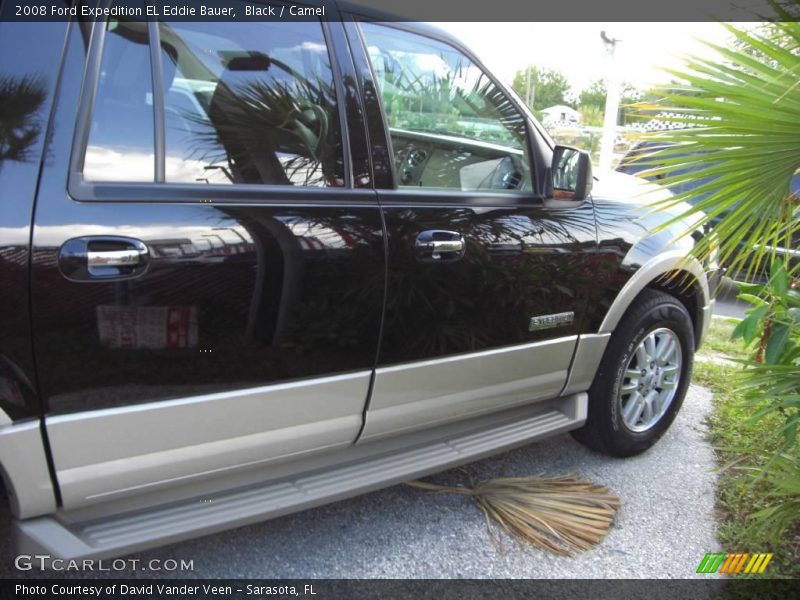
x=63 y=536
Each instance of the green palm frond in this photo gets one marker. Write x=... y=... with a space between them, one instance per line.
x=734 y=146
x=736 y=140
x=783 y=497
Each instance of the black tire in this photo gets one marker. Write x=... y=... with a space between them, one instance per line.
x=605 y=430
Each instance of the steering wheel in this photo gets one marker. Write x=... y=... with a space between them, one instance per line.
x=507 y=175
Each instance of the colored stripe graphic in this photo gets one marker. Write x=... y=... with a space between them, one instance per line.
x=755 y=562
x=730 y=559
x=734 y=563
x=701 y=568
x=764 y=564
x=740 y=563
x=711 y=562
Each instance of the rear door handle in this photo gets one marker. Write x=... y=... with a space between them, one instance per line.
x=103 y=258
x=114 y=258
x=438 y=245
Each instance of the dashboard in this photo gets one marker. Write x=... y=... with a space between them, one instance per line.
x=443 y=161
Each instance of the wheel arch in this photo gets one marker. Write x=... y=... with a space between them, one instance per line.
x=681 y=276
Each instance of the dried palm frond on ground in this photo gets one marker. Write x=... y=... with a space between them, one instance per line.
x=562 y=514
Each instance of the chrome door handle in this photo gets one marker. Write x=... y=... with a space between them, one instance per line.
x=114 y=258
x=438 y=245
x=447 y=246
x=103 y=258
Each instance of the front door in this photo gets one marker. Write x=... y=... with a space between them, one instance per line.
x=487 y=281
x=207 y=296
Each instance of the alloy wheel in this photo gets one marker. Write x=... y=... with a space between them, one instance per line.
x=651 y=380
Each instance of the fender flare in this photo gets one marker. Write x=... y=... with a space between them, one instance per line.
x=666 y=262
x=23 y=466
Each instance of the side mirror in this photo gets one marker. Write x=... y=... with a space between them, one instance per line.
x=571 y=173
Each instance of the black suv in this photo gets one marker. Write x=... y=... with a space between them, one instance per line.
x=251 y=267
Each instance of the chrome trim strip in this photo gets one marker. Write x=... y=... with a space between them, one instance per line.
x=157 y=75
x=24 y=467
x=778 y=250
x=117 y=452
x=661 y=264
x=423 y=394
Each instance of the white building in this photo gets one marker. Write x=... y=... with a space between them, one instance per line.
x=560 y=115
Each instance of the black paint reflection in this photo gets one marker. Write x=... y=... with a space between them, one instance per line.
x=519 y=263
x=628 y=237
x=236 y=297
x=28 y=70
x=21 y=100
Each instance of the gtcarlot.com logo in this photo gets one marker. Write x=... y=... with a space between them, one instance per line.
x=734 y=563
x=45 y=562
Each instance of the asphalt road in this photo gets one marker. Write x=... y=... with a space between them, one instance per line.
x=663 y=529
x=727 y=303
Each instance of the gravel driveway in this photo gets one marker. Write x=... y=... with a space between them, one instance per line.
x=663 y=529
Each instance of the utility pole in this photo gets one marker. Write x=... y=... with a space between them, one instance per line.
x=612 y=104
x=533 y=94
x=528 y=89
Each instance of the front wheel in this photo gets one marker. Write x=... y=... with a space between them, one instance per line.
x=643 y=377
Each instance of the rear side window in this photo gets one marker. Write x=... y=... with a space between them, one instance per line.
x=243 y=103
x=121 y=135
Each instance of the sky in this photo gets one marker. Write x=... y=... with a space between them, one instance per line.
x=577 y=50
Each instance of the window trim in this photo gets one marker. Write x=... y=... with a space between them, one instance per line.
x=159 y=107
x=535 y=195
x=373 y=131
x=163 y=191
x=363 y=48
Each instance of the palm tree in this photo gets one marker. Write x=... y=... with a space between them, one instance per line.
x=735 y=150
x=736 y=140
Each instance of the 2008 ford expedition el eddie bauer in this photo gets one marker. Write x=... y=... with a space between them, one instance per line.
x=276 y=264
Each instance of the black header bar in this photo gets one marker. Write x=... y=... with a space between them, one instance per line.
x=401 y=10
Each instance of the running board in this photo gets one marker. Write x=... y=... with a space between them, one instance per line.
x=63 y=536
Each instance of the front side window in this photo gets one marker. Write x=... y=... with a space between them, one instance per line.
x=451 y=126
x=244 y=103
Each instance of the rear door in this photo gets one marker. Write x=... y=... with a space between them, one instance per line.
x=207 y=292
x=487 y=281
